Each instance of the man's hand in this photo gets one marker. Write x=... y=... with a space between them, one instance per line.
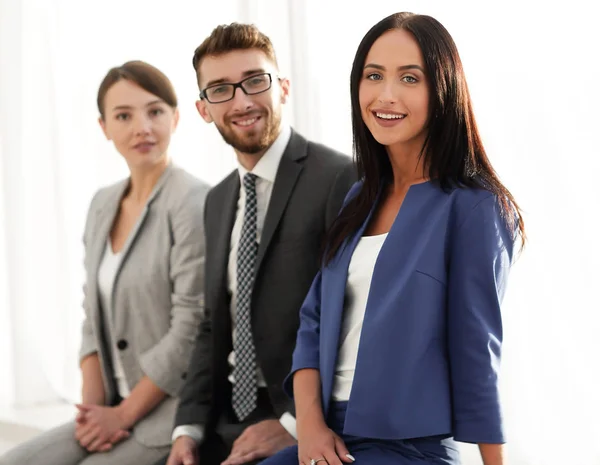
x=259 y=441
x=98 y=428
x=183 y=452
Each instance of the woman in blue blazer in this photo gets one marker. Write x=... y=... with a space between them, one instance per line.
x=399 y=345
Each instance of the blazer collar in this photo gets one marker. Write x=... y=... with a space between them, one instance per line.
x=105 y=217
x=225 y=226
x=289 y=170
x=113 y=202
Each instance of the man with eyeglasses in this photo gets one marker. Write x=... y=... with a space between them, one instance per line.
x=265 y=224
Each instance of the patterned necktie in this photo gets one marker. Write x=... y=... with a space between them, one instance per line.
x=244 y=389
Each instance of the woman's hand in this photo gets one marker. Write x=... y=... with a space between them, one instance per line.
x=98 y=428
x=319 y=443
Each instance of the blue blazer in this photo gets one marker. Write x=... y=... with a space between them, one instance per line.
x=430 y=344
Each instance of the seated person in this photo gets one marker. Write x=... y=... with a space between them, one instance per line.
x=144 y=263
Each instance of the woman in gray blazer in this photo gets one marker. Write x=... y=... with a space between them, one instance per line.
x=144 y=262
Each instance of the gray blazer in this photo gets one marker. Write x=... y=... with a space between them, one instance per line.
x=158 y=293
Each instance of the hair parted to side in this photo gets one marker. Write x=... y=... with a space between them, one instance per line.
x=235 y=36
x=453 y=150
x=148 y=77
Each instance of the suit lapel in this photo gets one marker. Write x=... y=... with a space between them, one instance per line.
x=105 y=217
x=285 y=180
x=334 y=278
x=119 y=317
x=133 y=234
x=224 y=228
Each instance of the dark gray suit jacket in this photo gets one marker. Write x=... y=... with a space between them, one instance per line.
x=310 y=186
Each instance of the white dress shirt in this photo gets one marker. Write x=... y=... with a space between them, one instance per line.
x=358 y=284
x=266 y=171
x=106 y=280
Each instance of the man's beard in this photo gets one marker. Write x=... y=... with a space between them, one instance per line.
x=252 y=142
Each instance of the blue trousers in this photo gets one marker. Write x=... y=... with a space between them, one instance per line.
x=433 y=450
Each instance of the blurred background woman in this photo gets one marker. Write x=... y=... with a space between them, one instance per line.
x=144 y=259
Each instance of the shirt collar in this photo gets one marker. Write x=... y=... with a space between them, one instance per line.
x=267 y=166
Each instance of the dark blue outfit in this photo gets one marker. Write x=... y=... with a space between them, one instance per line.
x=430 y=346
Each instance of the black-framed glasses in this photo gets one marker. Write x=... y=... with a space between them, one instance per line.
x=252 y=85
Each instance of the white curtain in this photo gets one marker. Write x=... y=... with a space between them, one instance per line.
x=533 y=78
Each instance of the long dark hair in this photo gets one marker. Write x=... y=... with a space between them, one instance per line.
x=453 y=150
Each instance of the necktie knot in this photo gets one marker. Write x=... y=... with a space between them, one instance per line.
x=250 y=183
